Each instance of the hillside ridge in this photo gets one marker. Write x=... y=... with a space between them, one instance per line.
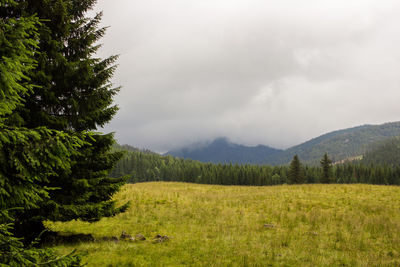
x=339 y=144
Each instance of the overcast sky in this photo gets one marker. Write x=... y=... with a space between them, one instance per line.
x=273 y=72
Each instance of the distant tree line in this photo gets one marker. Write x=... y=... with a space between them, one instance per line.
x=140 y=166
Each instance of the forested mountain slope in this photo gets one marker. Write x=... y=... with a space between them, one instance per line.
x=384 y=153
x=340 y=144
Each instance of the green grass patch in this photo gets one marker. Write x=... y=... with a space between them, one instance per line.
x=208 y=225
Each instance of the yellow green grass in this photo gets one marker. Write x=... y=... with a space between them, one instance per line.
x=208 y=225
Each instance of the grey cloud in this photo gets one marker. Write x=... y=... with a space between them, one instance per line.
x=271 y=72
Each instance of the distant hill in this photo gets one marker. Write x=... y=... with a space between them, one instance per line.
x=223 y=151
x=386 y=152
x=339 y=145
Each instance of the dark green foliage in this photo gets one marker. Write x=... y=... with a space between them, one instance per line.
x=28 y=157
x=89 y=186
x=141 y=166
x=14 y=253
x=75 y=92
x=326 y=165
x=17 y=45
x=296 y=172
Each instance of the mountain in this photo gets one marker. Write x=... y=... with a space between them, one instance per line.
x=223 y=151
x=339 y=145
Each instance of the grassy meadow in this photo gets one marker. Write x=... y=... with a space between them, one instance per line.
x=208 y=225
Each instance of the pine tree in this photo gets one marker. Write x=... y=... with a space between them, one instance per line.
x=73 y=95
x=326 y=165
x=75 y=92
x=28 y=157
x=296 y=173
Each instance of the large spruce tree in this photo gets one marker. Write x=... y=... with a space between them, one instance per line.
x=75 y=91
x=28 y=156
x=73 y=95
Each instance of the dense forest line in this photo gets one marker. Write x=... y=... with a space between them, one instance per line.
x=144 y=166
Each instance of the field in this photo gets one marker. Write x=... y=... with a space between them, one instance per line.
x=207 y=225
